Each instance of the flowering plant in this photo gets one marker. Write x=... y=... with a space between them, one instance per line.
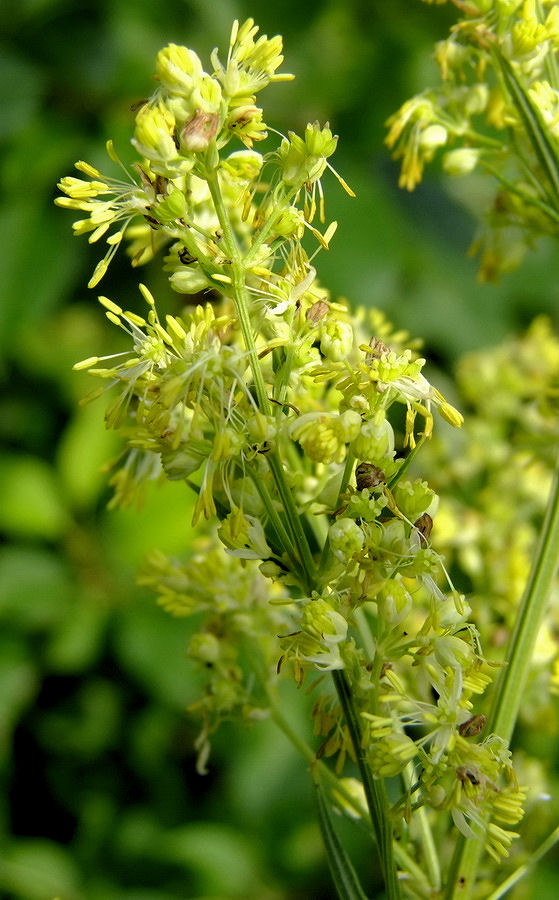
x=297 y=423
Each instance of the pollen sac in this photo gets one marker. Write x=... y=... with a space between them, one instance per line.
x=368 y=476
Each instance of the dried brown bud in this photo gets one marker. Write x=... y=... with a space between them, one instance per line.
x=161 y=184
x=368 y=476
x=473 y=726
x=317 y=311
x=378 y=348
x=199 y=132
x=424 y=525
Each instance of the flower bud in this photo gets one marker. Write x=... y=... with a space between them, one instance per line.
x=336 y=340
x=432 y=137
x=206 y=96
x=170 y=208
x=413 y=498
x=153 y=136
x=178 y=68
x=349 y=424
x=346 y=538
x=391 y=754
x=189 y=280
x=476 y=99
x=243 y=164
x=394 y=603
x=321 y=622
x=375 y=439
x=461 y=161
x=204 y=647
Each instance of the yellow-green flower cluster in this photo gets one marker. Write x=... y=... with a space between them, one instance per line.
x=236 y=610
x=181 y=131
x=497 y=111
x=294 y=421
x=489 y=535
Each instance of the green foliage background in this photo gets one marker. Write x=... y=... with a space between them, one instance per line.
x=99 y=797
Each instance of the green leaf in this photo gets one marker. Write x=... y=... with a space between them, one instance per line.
x=31 y=504
x=78 y=641
x=84 y=449
x=21 y=104
x=343 y=874
x=150 y=648
x=225 y=862
x=18 y=685
x=38 y=870
x=36 y=589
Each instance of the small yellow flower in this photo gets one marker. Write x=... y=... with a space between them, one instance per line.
x=178 y=69
x=323 y=436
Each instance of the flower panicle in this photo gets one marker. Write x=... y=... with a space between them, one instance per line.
x=495 y=112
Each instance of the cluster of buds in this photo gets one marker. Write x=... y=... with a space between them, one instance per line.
x=496 y=111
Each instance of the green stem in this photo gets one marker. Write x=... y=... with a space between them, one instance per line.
x=430 y=856
x=282 y=203
x=329 y=778
x=375 y=791
x=512 y=682
x=293 y=517
x=346 y=475
x=530 y=199
x=275 y=519
x=532 y=610
x=239 y=289
x=238 y=270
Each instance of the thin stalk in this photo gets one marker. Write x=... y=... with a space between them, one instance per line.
x=530 y=199
x=550 y=60
x=275 y=519
x=535 y=129
x=375 y=791
x=346 y=474
x=329 y=778
x=532 y=610
x=430 y=856
x=239 y=289
x=512 y=682
x=344 y=876
x=293 y=517
x=238 y=265
x=267 y=227
x=364 y=630
x=405 y=465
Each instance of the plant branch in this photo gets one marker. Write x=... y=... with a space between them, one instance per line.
x=375 y=791
x=512 y=682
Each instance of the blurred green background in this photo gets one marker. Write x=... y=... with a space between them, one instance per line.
x=99 y=799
